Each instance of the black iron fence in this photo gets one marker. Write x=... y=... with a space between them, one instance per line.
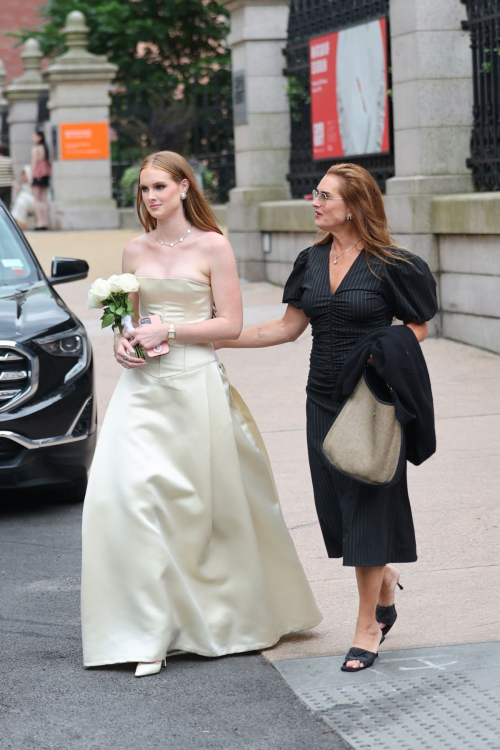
x=43 y=109
x=42 y=117
x=4 y=127
x=484 y=25
x=310 y=18
x=130 y=117
x=199 y=126
x=212 y=136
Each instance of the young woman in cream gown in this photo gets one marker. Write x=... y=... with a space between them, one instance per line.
x=184 y=542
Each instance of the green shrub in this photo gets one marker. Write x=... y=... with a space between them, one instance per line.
x=128 y=185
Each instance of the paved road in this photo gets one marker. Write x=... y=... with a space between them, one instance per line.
x=239 y=701
x=47 y=699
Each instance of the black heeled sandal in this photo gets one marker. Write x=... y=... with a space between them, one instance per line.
x=367 y=658
x=387 y=615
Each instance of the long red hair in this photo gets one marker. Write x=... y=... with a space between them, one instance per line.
x=196 y=208
x=364 y=198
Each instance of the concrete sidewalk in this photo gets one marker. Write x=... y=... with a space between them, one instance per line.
x=455 y=495
x=451 y=593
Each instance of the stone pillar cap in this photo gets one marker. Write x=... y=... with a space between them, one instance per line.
x=31 y=54
x=77 y=60
x=75 y=21
x=76 y=32
x=30 y=84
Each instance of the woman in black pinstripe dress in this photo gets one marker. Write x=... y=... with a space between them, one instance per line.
x=353 y=280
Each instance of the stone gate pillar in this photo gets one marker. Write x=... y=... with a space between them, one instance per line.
x=432 y=104
x=261 y=123
x=79 y=114
x=23 y=95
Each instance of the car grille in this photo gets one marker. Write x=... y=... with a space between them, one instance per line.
x=9 y=450
x=18 y=375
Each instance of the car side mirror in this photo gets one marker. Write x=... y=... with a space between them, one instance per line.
x=68 y=269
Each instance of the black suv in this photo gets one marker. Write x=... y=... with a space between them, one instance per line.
x=47 y=404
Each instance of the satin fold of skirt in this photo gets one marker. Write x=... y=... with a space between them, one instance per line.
x=184 y=542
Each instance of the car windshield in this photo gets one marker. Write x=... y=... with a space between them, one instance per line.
x=17 y=268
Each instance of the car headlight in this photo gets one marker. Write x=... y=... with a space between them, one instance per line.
x=72 y=343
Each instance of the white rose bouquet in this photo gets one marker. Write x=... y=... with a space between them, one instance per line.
x=112 y=296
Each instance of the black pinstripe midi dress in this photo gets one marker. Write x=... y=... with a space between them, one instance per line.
x=364 y=525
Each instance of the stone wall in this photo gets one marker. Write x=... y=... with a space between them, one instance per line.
x=468 y=231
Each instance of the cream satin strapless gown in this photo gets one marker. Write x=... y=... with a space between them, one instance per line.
x=184 y=543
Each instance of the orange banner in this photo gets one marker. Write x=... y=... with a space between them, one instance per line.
x=84 y=140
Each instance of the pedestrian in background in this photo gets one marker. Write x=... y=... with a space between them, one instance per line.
x=6 y=175
x=24 y=202
x=353 y=281
x=40 y=168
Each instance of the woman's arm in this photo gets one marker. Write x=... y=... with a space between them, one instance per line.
x=227 y=298
x=421 y=330
x=288 y=328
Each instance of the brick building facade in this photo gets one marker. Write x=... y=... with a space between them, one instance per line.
x=16 y=14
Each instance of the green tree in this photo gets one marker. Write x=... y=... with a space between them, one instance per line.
x=163 y=50
x=178 y=41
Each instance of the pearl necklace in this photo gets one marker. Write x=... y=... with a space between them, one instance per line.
x=181 y=239
x=343 y=253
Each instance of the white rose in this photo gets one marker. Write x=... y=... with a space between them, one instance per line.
x=92 y=302
x=101 y=289
x=128 y=283
x=114 y=283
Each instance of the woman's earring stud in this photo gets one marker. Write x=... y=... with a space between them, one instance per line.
x=183 y=196
x=349 y=218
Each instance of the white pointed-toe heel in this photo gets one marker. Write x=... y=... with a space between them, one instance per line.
x=145 y=668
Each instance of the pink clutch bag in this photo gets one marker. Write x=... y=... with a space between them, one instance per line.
x=161 y=348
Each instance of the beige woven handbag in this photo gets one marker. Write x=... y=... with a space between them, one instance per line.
x=366 y=441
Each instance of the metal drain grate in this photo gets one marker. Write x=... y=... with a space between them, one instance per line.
x=425 y=713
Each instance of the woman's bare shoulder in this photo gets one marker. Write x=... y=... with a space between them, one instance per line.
x=131 y=251
x=135 y=244
x=213 y=242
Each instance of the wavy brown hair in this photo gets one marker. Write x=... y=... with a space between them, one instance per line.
x=363 y=197
x=196 y=208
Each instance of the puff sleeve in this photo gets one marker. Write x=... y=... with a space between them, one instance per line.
x=292 y=293
x=410 y=289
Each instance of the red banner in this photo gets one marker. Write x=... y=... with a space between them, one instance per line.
x=349 y=101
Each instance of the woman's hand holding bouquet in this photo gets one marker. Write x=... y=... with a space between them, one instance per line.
x=112 y=295
x=149 y=336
